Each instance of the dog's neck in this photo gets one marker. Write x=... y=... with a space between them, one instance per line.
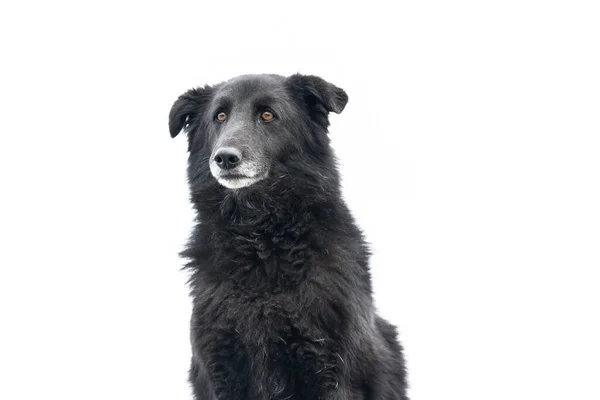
x=276 y=204
x=259 y=228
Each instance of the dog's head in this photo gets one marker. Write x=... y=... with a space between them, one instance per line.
x=247 y=130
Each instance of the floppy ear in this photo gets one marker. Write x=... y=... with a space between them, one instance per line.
x=321 y=96
x=187 y=108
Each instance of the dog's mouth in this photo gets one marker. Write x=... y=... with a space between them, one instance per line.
x=237 y=181
x=233 y=176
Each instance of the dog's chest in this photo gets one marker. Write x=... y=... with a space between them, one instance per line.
x=267 y=344
x=255 y=312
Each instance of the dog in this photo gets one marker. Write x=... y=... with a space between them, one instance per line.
x=279 y=271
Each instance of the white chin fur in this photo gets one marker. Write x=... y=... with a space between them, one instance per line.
x=237 y=183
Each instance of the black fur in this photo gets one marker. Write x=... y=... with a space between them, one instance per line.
x=282 y=299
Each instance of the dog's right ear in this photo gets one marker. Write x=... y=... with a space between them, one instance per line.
x=187 y=108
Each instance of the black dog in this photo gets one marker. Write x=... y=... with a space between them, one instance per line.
x=281 y=288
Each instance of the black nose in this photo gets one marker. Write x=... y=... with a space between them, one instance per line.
x=228 y=157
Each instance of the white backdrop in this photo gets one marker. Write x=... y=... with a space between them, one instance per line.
x=484 y=215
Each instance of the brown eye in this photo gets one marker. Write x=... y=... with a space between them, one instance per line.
x=221 y=116
x=267 y=116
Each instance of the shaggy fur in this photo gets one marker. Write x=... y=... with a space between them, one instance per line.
x=282 y=299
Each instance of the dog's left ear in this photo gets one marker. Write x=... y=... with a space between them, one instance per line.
x=321 y=96
x=187 y=108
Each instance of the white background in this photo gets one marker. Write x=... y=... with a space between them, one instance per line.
x=469 y=151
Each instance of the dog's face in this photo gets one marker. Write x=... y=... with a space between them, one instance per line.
x=240 y=130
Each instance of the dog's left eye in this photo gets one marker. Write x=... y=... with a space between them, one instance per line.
x=267 y=116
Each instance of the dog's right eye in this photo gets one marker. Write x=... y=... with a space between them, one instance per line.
x=221 y=117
